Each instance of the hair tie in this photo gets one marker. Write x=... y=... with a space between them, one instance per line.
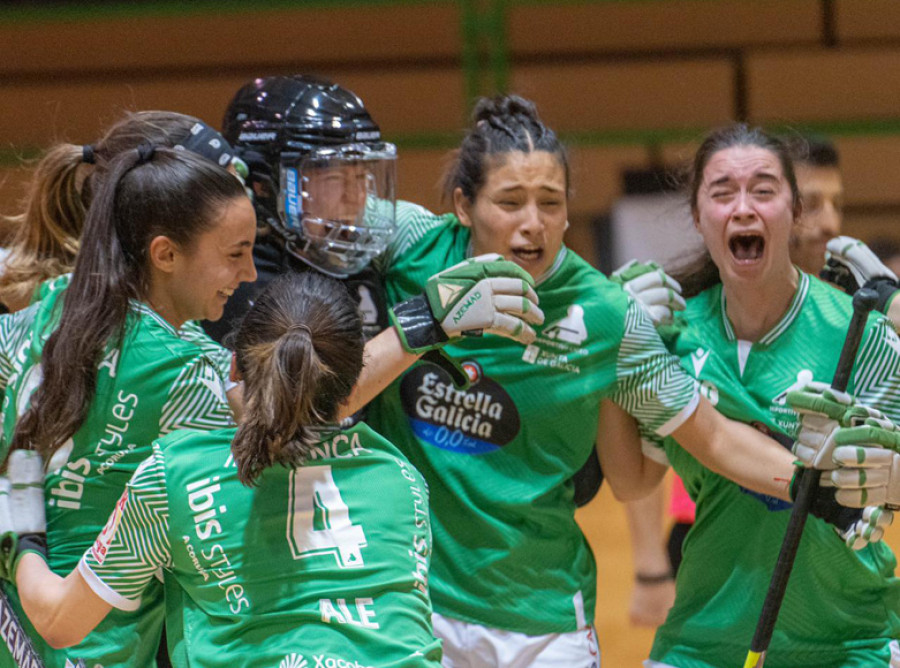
x=145 y=153
x=87 y=154
x=300 y=328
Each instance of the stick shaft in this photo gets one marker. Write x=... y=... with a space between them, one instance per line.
x=863 y=302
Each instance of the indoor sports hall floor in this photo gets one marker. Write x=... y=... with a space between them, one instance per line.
x=603 y=521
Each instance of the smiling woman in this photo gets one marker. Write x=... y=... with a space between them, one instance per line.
x=168 y=235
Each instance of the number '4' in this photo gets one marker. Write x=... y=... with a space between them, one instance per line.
x=319 y=520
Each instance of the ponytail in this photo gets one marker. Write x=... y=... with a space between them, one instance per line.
x=47 y=230
x=146 y=193
x=299 y=350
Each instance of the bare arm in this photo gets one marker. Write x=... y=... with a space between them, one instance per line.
x=737 y=451
x=654 y=587
x=384 y=360
x=62 y=610
x=630 y=474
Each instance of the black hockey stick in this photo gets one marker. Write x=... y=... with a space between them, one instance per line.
x=863 y=302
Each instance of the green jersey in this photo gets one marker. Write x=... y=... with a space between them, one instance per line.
x=325 y=564
x=499 y=457
x=190 y=331
x=842 y=608
x=154 y=383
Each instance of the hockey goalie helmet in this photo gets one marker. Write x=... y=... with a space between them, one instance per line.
x=320 y=175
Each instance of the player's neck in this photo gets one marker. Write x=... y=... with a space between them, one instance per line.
x=755 y=307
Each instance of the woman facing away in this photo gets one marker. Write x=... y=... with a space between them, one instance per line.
x=292 y=542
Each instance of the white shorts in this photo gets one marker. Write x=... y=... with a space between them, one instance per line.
x=474 y=646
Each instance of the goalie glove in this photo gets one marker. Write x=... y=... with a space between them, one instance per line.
x=22 y=520
x=851 y=265
x=658 y=293
x=482 y=294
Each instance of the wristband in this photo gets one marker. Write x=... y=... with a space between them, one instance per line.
x=418 y=329
x=646 y=579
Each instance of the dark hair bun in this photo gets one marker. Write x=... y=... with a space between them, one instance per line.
x=504 y=107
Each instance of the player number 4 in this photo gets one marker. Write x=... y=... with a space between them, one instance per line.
x=319 y=520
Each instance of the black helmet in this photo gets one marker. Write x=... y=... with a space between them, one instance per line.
x=321 y=176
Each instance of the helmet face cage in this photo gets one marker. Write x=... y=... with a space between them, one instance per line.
x=337 y=204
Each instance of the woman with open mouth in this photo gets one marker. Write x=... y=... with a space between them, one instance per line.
x=513 y=581
x=755 y=328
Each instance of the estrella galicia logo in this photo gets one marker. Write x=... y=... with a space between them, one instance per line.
x=476 y=421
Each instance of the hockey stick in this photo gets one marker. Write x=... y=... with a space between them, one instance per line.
x=863 y=302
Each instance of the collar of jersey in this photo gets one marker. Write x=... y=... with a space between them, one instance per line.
x=781 y=325
x=551 y=270
x=143 y=309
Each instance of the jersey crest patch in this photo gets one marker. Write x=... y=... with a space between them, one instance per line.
x=476 y=421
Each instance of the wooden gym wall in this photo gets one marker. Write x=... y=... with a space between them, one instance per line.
x=629 y=83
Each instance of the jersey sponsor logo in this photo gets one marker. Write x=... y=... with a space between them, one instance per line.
x=420 y=541
x=558 y=341
x=122 y=412
x=68 y=490
x=570 y=329
x=202 y=503
x=201 y=498
x=323 y=661
x=101 y=546
x=293 y=660
x=476 y=421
